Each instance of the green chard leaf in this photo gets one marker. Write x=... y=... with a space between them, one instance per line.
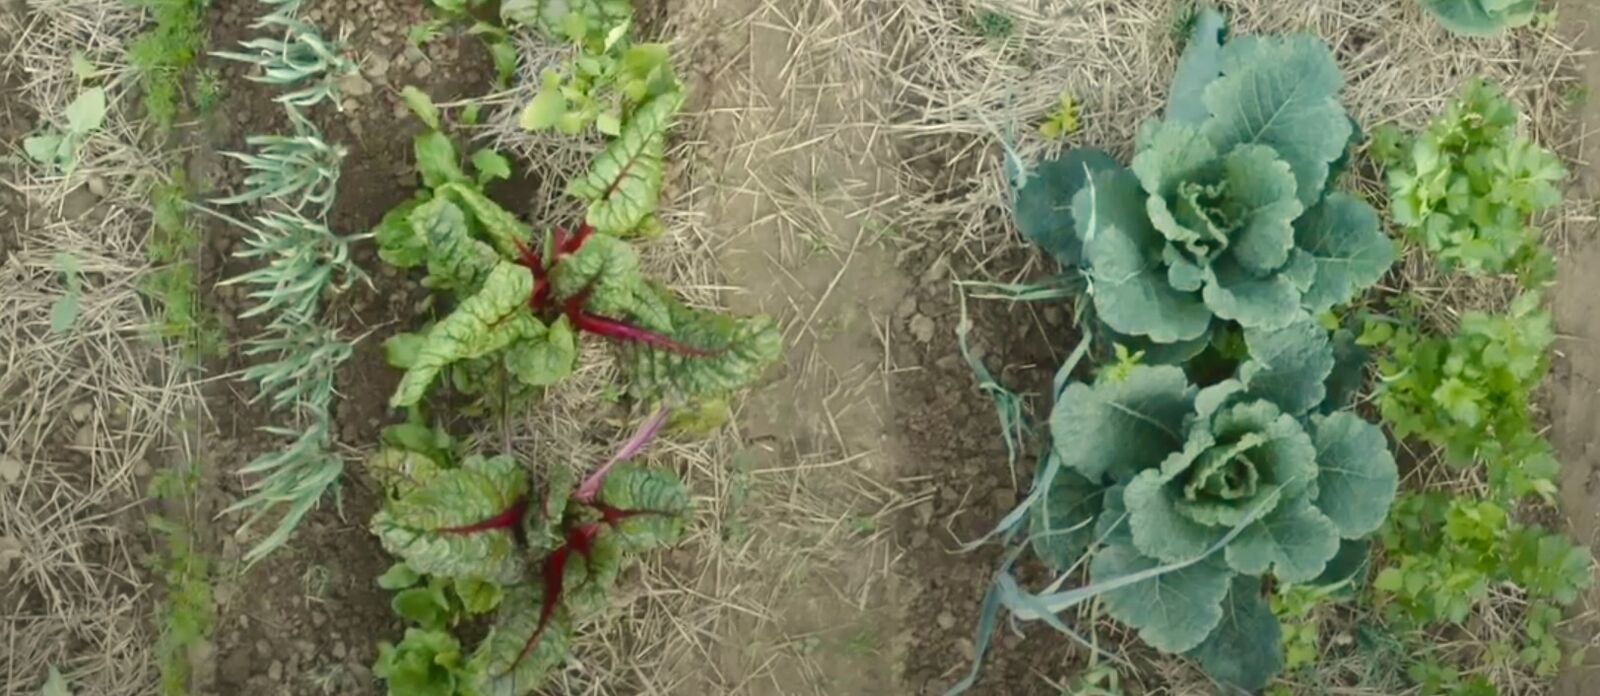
x=623 y=187
x=456 y=261
x=486 y=322
x=729 y=354
x=521 y=650
x=451 y=525
x=660 y=499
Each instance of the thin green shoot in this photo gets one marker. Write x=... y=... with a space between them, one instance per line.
x=308 y=357
x=297 y=170
x=293 y=478
x=300 y=59
x=303 y=259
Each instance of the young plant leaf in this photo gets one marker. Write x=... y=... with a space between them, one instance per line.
x=623 y=186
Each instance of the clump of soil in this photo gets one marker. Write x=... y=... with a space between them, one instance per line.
x=307 y=619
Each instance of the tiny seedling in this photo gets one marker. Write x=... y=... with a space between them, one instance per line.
x=1063 y=121
x=64 y=314
x=57 y=148
x=610 y=77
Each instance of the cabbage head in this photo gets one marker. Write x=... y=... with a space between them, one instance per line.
x=1226 y=213
x=1156 y=471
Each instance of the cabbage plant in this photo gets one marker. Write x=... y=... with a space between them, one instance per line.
x=1227 y=212
x=1260 y=475
x=1482 y=17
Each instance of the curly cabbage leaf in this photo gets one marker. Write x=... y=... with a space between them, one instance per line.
x=1482 y=17
x=1225 y=212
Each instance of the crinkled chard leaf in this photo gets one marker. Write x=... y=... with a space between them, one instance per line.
x=519 y=653
x=623 y=186
x=728 y=354
x=399 y=244
x=655 y=502
x=606 y=271
x=455 y=524
x=503 y=230
x=543 y=360
x=494 y=318
x=456 y=261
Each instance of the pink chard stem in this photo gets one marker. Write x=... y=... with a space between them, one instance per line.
x=630 y=449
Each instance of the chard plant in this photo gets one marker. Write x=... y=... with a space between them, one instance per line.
x=1468 y=187
x=299 y=60
x=1228 y=214
x=525 y=298
x=541 y=554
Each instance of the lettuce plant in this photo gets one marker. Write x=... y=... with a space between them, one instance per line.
x=1227 y=212
x=524 y=299
x=484 y=522
x=1254 y=476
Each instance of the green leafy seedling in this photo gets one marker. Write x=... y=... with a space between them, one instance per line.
x=57 y=148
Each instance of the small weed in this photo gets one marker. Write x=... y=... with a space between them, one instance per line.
x=58 y=148
x=187 y=615
x=863 y=643
x=164 y=55
x=173 y=287
x=991 y=25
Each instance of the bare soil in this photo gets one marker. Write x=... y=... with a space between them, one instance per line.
x=1574 y=397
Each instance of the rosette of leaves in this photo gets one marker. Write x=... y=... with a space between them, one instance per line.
x=1482 y=17
x=524 y=299
x=546 y=554
x=1162 y=472
x=1467 y=187
x=1227 y=212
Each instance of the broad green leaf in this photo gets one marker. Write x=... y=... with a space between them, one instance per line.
x=431 y=528
x=516 y=658
x=398 y=577
x=1281 y=92
x=425 y=606
x=1198 y=67
x=44 y=148
x=1482 y=17
x=486 y=322
x=1246 y=650
x=543 y=111
x=1349 y=372
x=1294 y=541
x=1118 y=428
x=436 y=160
x=456 y=261
x=87 y=112
x=504 y=231
x=1043 y=206
x=1237 y=294
x=1061 y=526
x=402 y=349
x=400 y=472
x=1173 y=612
x=1111 y=527
x=546 y=359
x=426 y=663
x=658 y=495
x=490 y=166
x=55 y=684
x=1261 y=194
x=623 y=186
x=1348 y=565
x=399 y=243
x=1352 y=253
x=478 y=596
x=1290 y=366
x=1358 y=476
x=422 y=105
x=731 y=353
x=1129 y=285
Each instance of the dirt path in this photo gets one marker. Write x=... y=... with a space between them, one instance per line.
x=799 y=192
x=1575 y=395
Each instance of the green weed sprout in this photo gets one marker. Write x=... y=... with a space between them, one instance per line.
x=300 y=57
x=308 y=357
x=295 y=476
x=298 y=170
x=304 y=259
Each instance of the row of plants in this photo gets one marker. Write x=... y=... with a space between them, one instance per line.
x=1216 y=473
x=534 y=548
x=291 y=181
